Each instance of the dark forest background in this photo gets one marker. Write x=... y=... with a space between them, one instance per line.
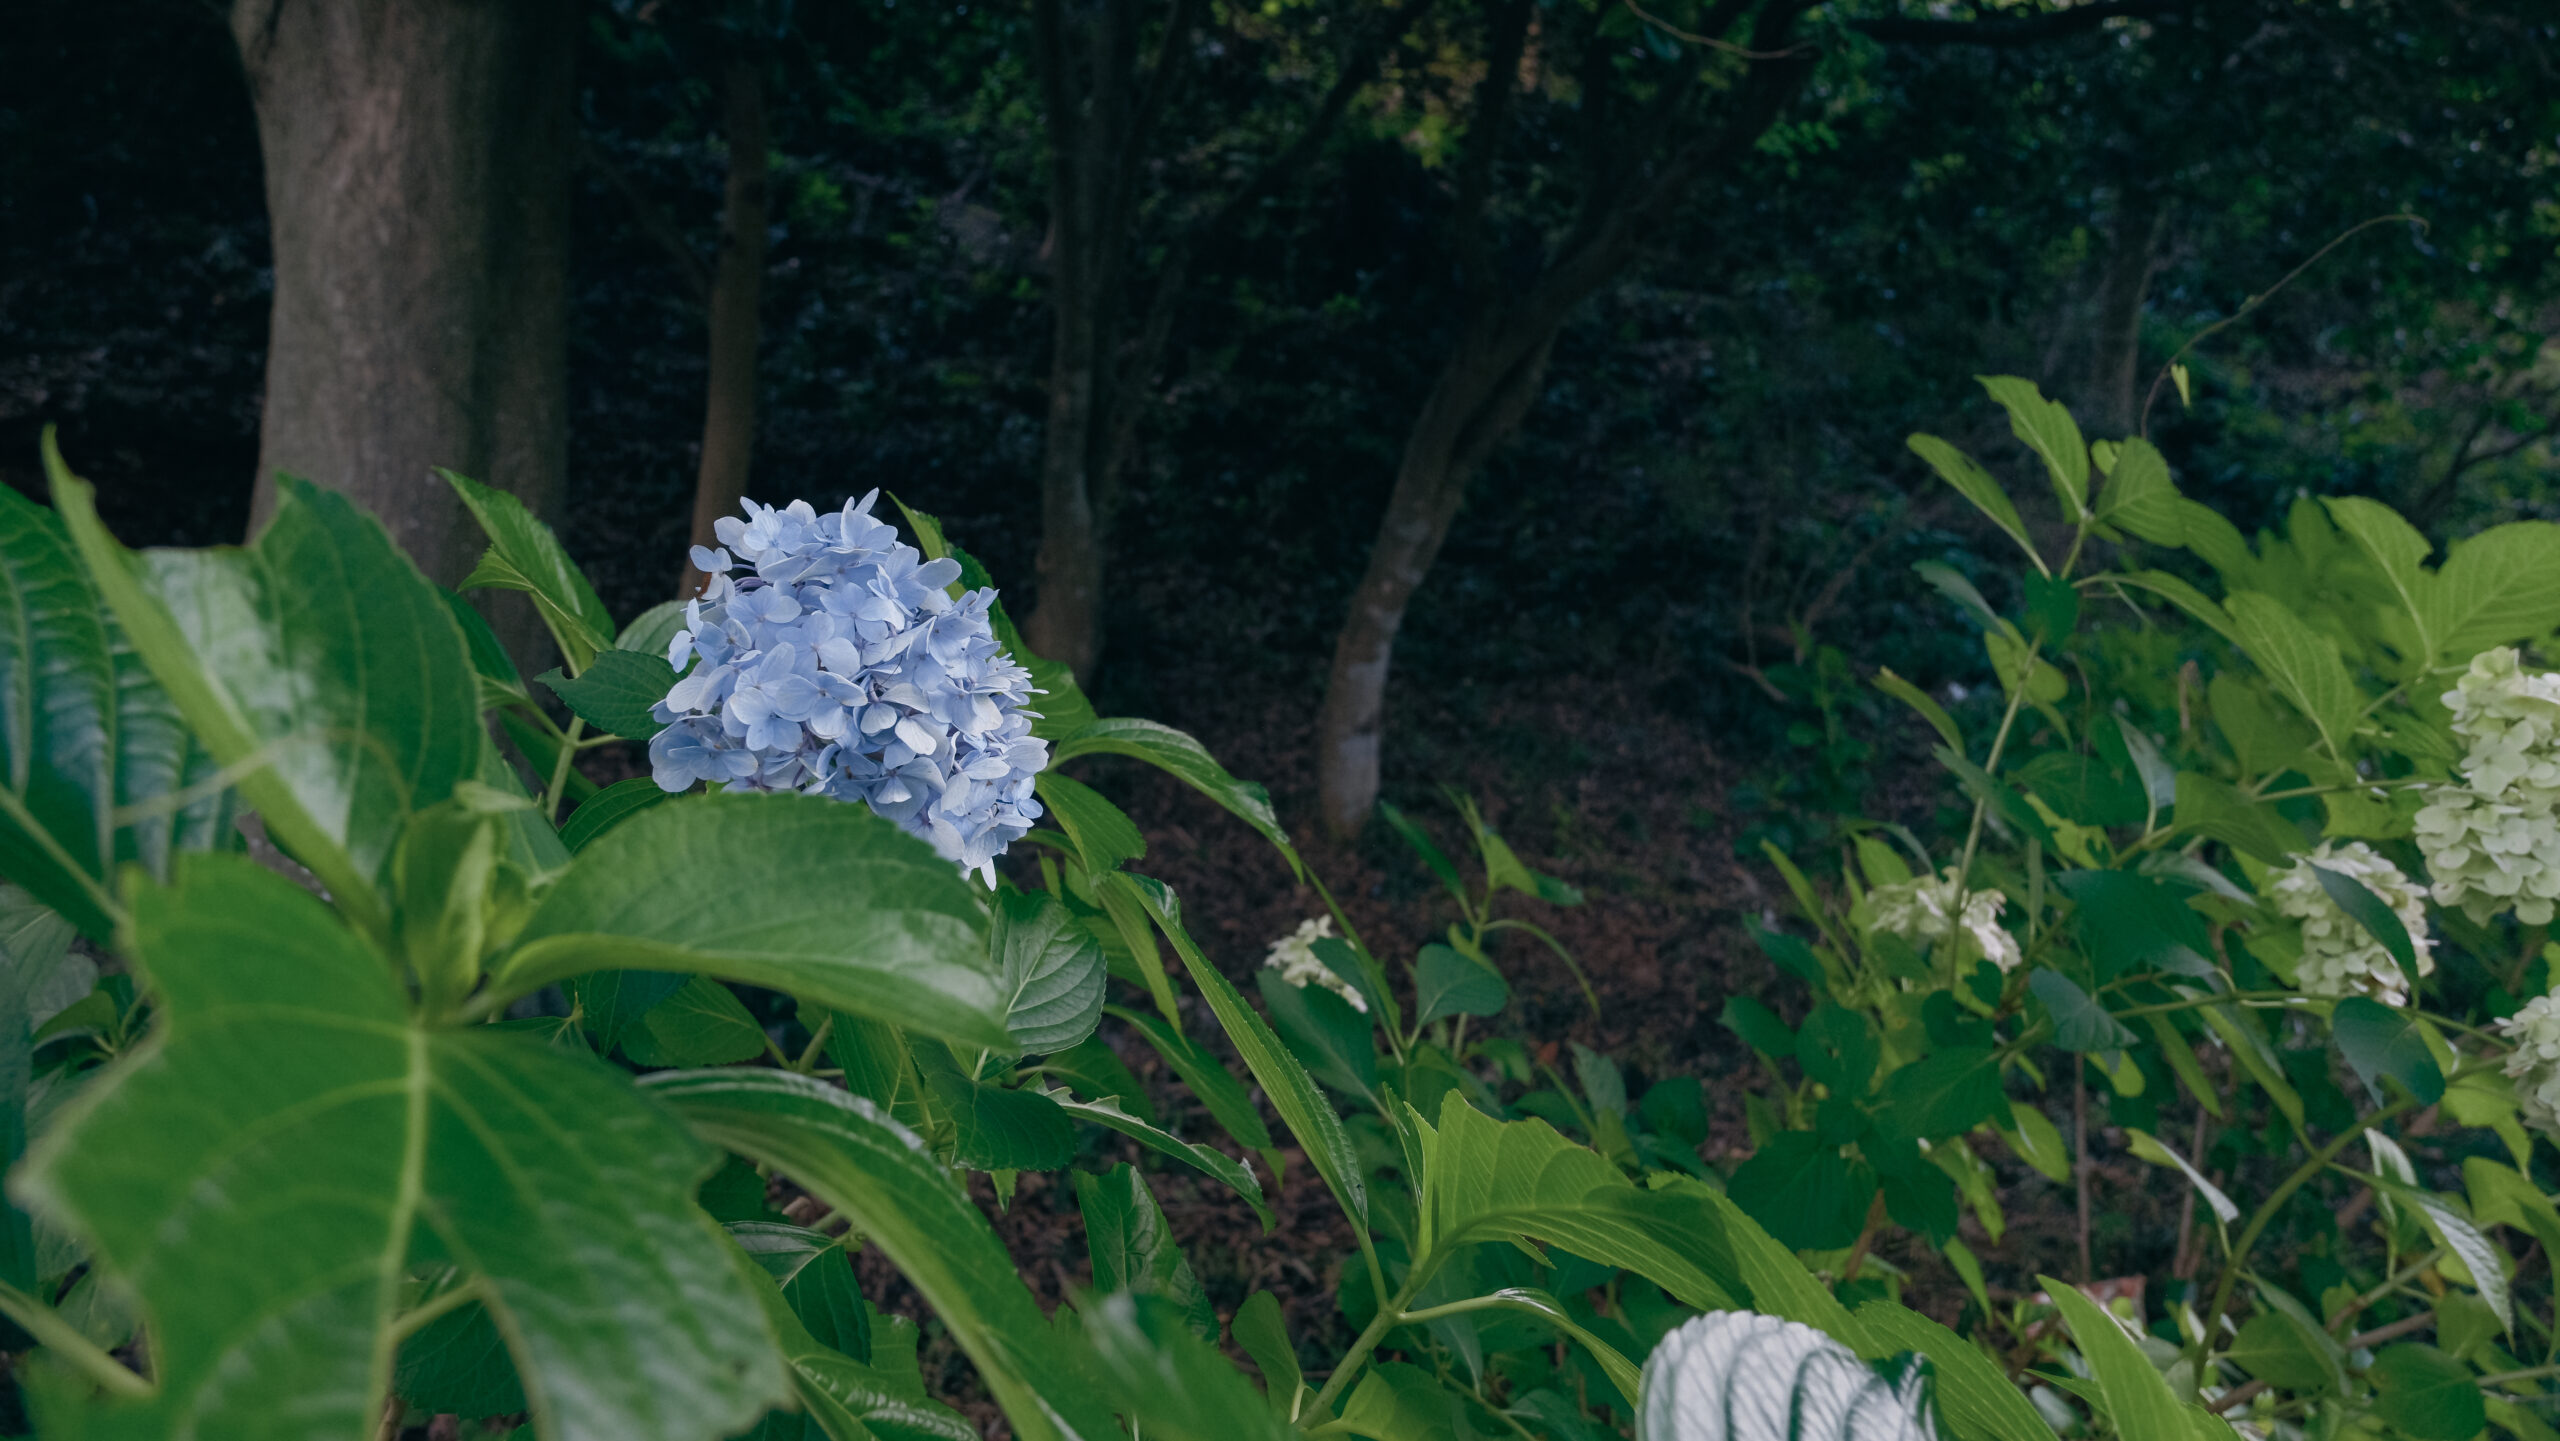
x=1645 y=641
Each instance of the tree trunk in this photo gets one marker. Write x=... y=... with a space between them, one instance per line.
x=1480 y=397
x=737 y=292
x=2115 y=360
x=417 y=176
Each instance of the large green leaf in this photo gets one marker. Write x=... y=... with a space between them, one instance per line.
x=1947 y=1093
x=316 y=661
x=821 y=899
x=1804 y=1192
x=267 y=1172
x=2426 y=1394
x=2379 y=1041
x=2500 y=585
x=2048 y=430
x=1049 y=972
x=1168 y=1381
x=1489 y=1180
x=1447 y=983
x=2139 y=496
x=83 y=731
x=615 y=694
x=39 y=977
x=1975 y=484
x=1132 y=1245
x=2137 y=1397
x=2079 y=1022
x=816 y=1276
x=525 y=556
x=702 y=1024
x=1181 y=757
x=1974 y=1396
x=995 y=1129
x=2399 y=553
x=2302 y=663
x=1215 y=1086
x=1292 y=1093
x=611 y=806
x=1108 y=1113
x=1332 y=1039
x=846 y=1151
x=2374 y=914
x=1103 y=833
x=843 y=1398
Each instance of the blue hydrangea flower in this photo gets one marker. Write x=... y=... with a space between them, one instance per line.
x=841 y=666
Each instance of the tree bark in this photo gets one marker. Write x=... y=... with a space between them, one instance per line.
x=417 y=177
x=737 y=293
x=1491 y=378
x=2115 y=360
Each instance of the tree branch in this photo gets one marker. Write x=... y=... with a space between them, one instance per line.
x=2024 y=30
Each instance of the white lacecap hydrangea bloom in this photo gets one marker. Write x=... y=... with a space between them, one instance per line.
x=1294 y=957
x=2535 y=1062
x=1742 y=1376
x=841 y=666
x=2494 y=841
x=1932 y=909
x=2339 y=957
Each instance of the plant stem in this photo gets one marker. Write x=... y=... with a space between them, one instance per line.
x=816 y=1047
x=64 y=1340
x=560 y=770
x=1390 y=1316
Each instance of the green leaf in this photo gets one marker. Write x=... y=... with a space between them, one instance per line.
x=2248 y=1045
x=653 y=631
x=1133 y=1248
x=1063 y=709
x=287 y=1069
x=816 y=1276
x=2139 y=496
x=2034 y=1139
x=845 y=1151
x=846 y=1398
x=821 y=899
x=500 y=682
x=1758 y=1026
x=997 y=1129
x=702 y=1024
x=1837 y=1047
x=1049 y=972
x=614 y=694
x=457 y=1364
x=2379 y=1041
x=2132 y=924
x=611 y=1004
x=2216 y=809
x=1169 y=1382
x=2149 y=1147
x=1125 y=902
x=2184 y=596
x=1975 y=484
x=2454 y=1231
x=41 y=983
x=2048 y=430
x=2500 y=1196
x=83 y=731
x=2137 y=1398
x=1800 y=1189
x=1322 y=1029
x=612 y=806
x=1398 y=1401
x=2284 y=1346
x=1185 y=759
x=1292 y=1093
x=1259 y=1328
x=2302 y=663
x=1103 y=833
x=2399 y=552
x=1433 y=858
x=1446 y=983
x=318 y=650
x=525 y=556
x=2498 y=586
x=1208 y=1080
x=1946 y=1093
x=2011 y=806
x=2427 y=1394
x=1773 y=1281
x=1107 y=1113
x=1789 y=953
x=1974 y=1395
x=1488 y=1180
x=1922 y=702
x=2375 y=915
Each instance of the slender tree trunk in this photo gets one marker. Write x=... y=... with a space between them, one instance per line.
x=2115 y=368
x=737 y=293
x=417 y=175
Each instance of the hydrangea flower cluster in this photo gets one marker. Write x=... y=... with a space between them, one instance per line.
x=2535 y=1062
x=1294 y=957
x=2494 y=841
x=1933 y=909
x=2339 y=957
x=842 y=667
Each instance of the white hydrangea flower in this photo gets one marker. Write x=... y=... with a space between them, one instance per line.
x=2494 y=842
x=1741 y=1376
x=2535 y=1062
x=1294 y=957
x=1930 y=909
x=2339 y=958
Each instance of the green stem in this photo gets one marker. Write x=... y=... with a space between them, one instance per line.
x=1390 y=1316
x=410 y=1322
x=64 y=1340
x=1991 y=762
x=2266 y=1214
x=560 y=769
x=818 y=1045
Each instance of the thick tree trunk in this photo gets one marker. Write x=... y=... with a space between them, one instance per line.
x=737 y=293
x=417 y=175
x=2115 y=360
x=1480 y=397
